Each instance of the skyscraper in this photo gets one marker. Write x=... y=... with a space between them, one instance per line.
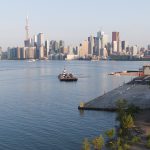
x=103 y=42
x=83 y=51
x=123 y=45
x=61 y=46
x=0 y=52
x=90 y=45
x=148 y=47
x=115 y=37
x=34 y=40
x=115 y=46
x=47 y=44
x=40 y=46
x=40 y=40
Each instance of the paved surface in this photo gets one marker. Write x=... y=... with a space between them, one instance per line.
x=139 y=95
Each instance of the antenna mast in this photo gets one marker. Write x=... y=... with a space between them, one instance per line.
x=27 y=28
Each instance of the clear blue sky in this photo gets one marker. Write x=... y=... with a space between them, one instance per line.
x=74 y=20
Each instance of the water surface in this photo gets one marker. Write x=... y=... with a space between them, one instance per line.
x=37 y=111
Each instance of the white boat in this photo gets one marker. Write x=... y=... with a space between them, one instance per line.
x=31 y=60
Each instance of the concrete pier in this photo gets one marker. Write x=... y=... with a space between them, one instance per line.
x=136 y=94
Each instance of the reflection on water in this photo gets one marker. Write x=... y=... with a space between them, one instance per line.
x=37 y=111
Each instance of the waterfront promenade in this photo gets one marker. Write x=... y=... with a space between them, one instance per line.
x=136 y=94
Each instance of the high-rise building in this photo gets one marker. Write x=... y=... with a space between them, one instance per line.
x=54 y=47
x=123 y=45
x=28 y=43
x=90 y=45
x=116 y=37
x=30 y=52
x=115 y=46
x=134 y=50
x=40 y=40
x=61 y=46
x=0 y=53
x=103 y=42
x=40 y=46
x=14 y=53
x=105 y=53
x=22 y=53
x=101 y=36
x=41 y=52
x=66 y=50
x=34 y=41
x=83 y=51
x=96 y=46
x=47 y=46
x=148 y=47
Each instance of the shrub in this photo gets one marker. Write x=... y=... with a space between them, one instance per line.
x=98 y=142
x=127 y=122
x=126 y=147
x=135 y=140
x=148 y=143
x=86 y=145
x=148 y=137
x=110 y=133
x=132 y=109
x=120 y=148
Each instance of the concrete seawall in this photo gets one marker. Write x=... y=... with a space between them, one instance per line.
x=136 y=94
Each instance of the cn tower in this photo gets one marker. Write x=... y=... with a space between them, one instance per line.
x=27 y=28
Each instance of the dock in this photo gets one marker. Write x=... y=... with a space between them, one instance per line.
x=137 y=94
x=128 y=73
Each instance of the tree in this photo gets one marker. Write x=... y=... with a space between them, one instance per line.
x=98 y=142
x=86 y=145
x=132 y=109
x=121 y=105
x=127 y=122
x=110 y=133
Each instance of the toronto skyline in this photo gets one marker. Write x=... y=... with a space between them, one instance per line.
x=74 y=21
x=74 y=75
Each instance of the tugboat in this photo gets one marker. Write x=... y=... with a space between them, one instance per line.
x=66 y=76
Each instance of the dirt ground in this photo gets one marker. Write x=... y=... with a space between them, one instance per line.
x=142 y=121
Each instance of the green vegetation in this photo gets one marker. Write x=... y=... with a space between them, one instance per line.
x=135 y=139
x=148 y=142
x=148 y=137
x=98 y=142
x=86 y=145
x=110 y=133
x=123 y=136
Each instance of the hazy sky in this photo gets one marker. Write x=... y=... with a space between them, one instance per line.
x=74 y=20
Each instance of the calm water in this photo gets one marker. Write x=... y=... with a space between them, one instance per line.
x=37 y=111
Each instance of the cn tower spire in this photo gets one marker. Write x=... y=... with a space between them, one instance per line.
x=27 y=28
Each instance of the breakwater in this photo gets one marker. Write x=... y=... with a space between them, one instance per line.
x=136 y=94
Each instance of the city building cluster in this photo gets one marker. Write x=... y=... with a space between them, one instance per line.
x=94 y=48
x=100 y=48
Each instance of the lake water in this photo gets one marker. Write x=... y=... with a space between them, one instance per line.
x=38 y=112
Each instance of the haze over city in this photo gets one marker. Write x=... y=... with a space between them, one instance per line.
x=74 y=21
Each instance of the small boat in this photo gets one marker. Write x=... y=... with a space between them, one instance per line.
x=31 y=60
x=64 y=76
